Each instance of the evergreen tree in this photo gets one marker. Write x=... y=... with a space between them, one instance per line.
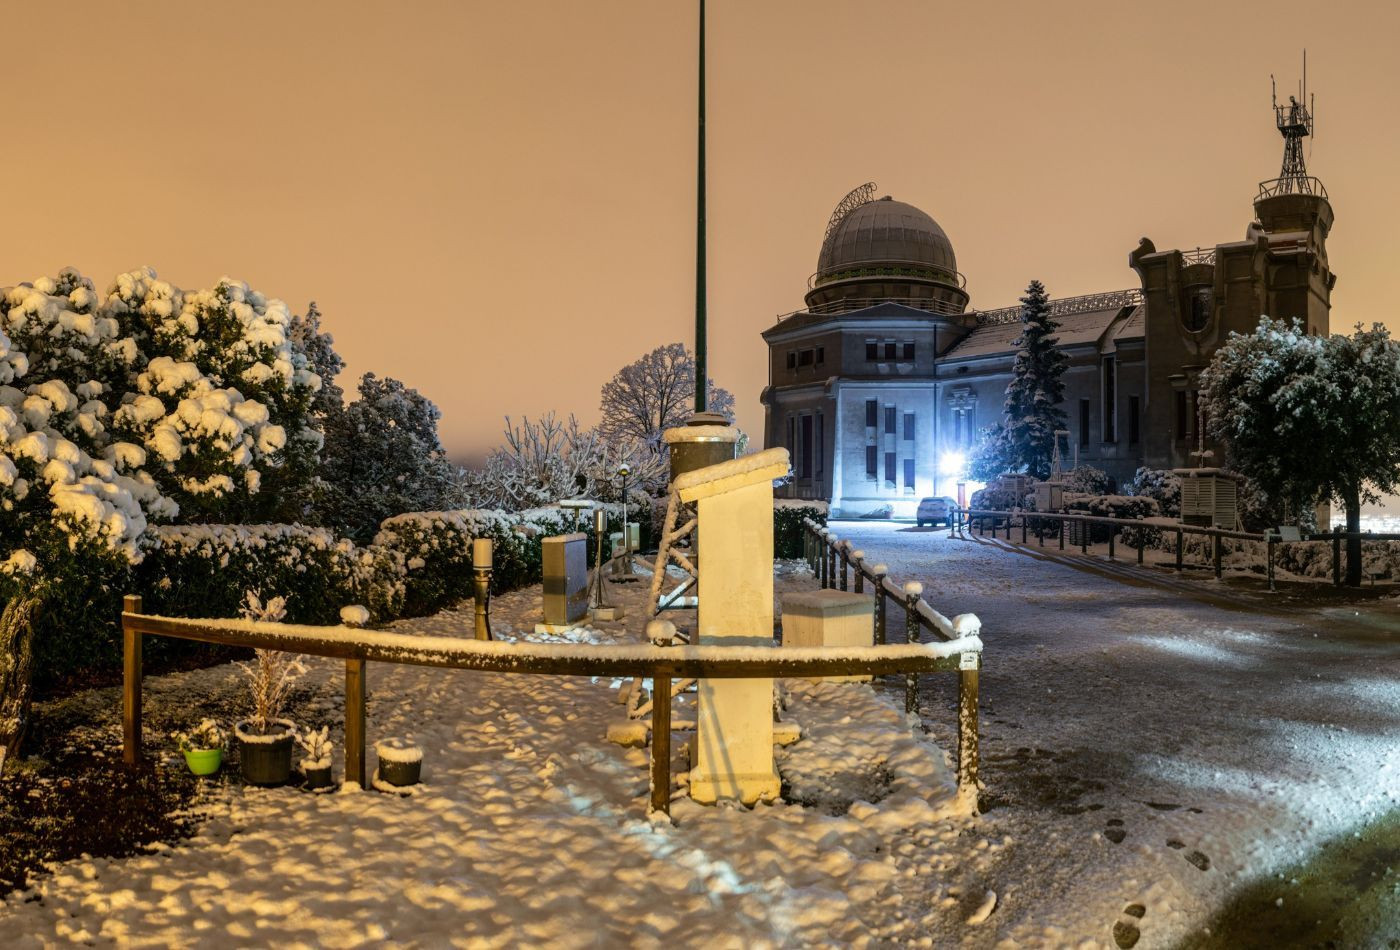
x=383 y=458
x=307 y=336
x=1033 y=396
x=1308 y=418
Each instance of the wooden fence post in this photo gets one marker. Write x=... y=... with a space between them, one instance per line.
x=1023 y=527
x=967 y=730
x=858 y=558
x=844 y=551
x=821 y=555
x=912 y=592
x=1142 y=543
x=880 y=595
x=131 y=683
x=1084 y=531
x=1062 y=533
x=355 y=722
x=1112 y=533
x=1180 y=544
x=831 y=543
x=661 y=742
x=1270 y=536
x=1217 y=555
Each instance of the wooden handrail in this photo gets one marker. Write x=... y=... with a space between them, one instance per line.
x=824 y=549
x=357 y=647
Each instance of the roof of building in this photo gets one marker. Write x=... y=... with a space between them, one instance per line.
x=1082 y=320
x=886 y=232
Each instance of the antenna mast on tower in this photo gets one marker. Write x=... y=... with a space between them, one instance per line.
x=1295 y=123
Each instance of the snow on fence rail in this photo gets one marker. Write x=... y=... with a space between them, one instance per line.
x=976 y=519
x=831 y=559
x=357 y=647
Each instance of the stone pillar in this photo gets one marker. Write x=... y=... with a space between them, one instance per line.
x=733 y=757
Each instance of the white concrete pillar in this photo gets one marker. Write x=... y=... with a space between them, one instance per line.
x=733 y=757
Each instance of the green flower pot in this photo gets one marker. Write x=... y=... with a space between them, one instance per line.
x=204 y=761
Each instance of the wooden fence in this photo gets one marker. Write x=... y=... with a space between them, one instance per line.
x=359 y=647
x=836 y=565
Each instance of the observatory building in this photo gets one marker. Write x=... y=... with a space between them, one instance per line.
x=879 y=387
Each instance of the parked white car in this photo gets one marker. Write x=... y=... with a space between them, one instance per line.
x=935 y=511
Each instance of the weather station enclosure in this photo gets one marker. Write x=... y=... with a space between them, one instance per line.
x=1209 y=498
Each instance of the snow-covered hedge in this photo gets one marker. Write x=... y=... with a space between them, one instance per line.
x=1113 y=506
x=788 y=515
x=205 y=570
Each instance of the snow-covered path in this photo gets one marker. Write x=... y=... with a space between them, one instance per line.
x=1142 y=748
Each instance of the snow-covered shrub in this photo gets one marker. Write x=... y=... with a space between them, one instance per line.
x=206 y=735
x=1161 y=485
x=1087 y=480
x=204 y=570
x=995 y=497
x=1129 y=507
x=788 y=515
x=271 y=673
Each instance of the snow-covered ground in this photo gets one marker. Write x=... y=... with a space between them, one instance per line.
x=1139 y=750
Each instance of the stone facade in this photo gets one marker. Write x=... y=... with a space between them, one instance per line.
x=886 y=379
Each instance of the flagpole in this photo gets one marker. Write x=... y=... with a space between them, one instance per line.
x=701 y=373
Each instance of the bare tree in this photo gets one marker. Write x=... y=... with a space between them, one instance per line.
x=654 y=394
x=550 y=459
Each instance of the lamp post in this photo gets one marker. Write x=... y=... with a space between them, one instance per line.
x=624 y=566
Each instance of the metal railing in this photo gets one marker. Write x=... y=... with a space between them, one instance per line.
x=972 y=520
x=359 y=647
x=852 y=304
x=1064 y=306
x=835 y=565
x=1292 y=186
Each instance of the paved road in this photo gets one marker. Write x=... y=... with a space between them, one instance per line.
x=1143 y=746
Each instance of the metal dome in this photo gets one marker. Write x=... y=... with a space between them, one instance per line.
x=885 y=233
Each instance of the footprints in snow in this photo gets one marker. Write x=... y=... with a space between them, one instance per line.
x=1116 y=832
x=1125 y=932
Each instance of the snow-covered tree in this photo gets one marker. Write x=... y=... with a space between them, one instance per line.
x=545 y=461
x=319 y=346
x=1033 y=397
x=383 y=457
x=1308 y=418
x=120 y=410
x=217 y=394
x=654 y=394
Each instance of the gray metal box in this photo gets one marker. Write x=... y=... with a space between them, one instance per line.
x=565 y=560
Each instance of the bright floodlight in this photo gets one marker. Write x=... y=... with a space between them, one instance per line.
x=951 y=463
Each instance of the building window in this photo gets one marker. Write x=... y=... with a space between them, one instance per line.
x=821 y=355
x=872 y=413
x=909 y=352
x=909 y=475
x=1110 y=399
x=792 y=359
x=872 y=350
x=908 y=427
x=792 y=437
x=806 y=470
x=1083 y=422
x=889 y=420
x=820 y=452
x=1181 y=415
x=1134 y=420
x=891 y=349
x=804 y=358
x=889 y=469
x=872 y=462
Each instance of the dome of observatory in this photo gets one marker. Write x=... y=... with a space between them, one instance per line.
x=882 y=234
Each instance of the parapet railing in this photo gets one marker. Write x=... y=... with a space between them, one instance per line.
x=832 y=560
x=358 y=647
x=975 y=520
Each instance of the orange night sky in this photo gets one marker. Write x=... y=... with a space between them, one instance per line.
x=494 y=201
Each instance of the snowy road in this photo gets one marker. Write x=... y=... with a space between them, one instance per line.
x=1144 y=748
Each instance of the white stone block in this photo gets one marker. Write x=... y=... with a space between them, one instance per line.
x=829 y=618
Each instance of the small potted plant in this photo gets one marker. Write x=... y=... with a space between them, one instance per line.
x=316 y=766
x=264 y=738
x=203 y=747
x=400 y=762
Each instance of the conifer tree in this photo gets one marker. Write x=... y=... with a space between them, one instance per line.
x=1033 y=396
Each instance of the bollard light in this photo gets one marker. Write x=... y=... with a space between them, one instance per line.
x=481 y=580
